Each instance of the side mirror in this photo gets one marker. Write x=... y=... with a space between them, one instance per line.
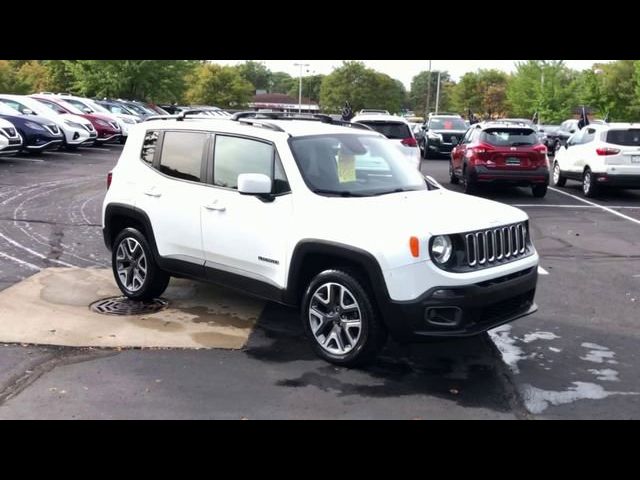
x=87 y=110
x=254 y=184
x=573 y=130
x=28 y=111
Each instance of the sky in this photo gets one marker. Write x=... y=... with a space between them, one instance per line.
x=403 y=70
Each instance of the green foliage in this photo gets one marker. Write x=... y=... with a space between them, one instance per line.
x=212 y=84
x=281 y=82
x=544 y=87
x=310 y=87
x=362 y=87
x=151 y=80
x=483 y=92
x=420 y=88
x=256 y=73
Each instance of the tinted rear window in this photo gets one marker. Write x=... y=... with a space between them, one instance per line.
x=509 y=137
x=624 y=137
x=394 y=130
x=447 y=124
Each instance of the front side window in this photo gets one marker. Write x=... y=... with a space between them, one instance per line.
x=15 y=105
x=182 y=155
x=354 y=165
x=236 y=155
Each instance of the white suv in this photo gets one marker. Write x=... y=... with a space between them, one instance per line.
x=301 y=212
x=396 y=129
x=600 y=155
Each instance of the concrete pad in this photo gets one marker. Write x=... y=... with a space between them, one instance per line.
x=52 y=308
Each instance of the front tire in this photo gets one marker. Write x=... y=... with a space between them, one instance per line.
x=589 y=187
x=134 y=268
x=340 y=318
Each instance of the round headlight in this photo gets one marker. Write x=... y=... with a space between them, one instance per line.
x=441 y=249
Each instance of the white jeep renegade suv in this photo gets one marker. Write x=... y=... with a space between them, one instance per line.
x=318 y=214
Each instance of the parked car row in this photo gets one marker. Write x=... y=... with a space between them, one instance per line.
x=46 y=120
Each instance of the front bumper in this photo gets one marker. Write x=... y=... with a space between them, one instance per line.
x=463 y=310
x=109 y=138
x=618 y=181
x=481 y=174
x=439 y=147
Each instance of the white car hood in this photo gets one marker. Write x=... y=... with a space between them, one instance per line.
x=423 y=212
x=75 y=118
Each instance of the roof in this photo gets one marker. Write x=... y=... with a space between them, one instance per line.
x=379 y=117
x=294 y=128
x=498 y=123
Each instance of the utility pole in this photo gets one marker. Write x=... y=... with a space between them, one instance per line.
x=426 y=115
x=301 y=65
x=438 y=93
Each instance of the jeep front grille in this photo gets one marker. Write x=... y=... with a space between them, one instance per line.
x=496 y=245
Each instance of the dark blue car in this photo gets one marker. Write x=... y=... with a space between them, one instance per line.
x=37 y=132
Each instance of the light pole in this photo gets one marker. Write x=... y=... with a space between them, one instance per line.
x=301 y=65
x=426 y=115
x=438 y=93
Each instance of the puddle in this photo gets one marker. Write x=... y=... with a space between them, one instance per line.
x=598 y=354
x=538 y=400
x=606 y=374
x=157 y=324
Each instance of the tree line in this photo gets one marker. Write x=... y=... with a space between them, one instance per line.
x=548 y=88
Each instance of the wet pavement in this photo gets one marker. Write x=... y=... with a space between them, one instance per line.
x=575 y=358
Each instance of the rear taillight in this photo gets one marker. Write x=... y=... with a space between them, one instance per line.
x=409 y=142
x=109 y=178
x=481 y=152
x=540 y=149
x=607 y=151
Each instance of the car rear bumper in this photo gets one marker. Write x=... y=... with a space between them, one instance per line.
x=481 y=174
x=463 y=310
x=619 y=181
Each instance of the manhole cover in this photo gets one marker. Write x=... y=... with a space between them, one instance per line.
x=126 y=306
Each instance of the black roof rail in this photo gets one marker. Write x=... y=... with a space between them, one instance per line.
x=161 y=117
x=314 y=117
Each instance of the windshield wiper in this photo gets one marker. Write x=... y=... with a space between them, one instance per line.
x=338 y=193
x=395 y=190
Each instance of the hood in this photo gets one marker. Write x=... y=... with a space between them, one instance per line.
x=5 y=123
x=423 y=212
x=22 y=119
x=75 y=118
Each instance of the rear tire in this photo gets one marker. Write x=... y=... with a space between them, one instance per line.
x=470 y=188
x=453 y=179
x=589 y=187
x=340 y=319
x=539 y=190
x=558 y=179
x=134 y=267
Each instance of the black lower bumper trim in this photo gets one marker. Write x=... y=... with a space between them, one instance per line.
x=619 y=181
x=463 y=311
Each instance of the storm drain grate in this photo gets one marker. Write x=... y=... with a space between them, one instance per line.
x=126 y=306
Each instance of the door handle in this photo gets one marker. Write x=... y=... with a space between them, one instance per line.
x=152 y=193
x=215 y=206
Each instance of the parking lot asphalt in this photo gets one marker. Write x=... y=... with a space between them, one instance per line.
x=577 y=357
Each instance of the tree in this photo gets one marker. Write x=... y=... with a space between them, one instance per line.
x=213 y=84
x=35 y=75
x=482 y=92
x=361 y=86
x=310 y=87
x=420 y=87
x=152 y=80
x=544 y=87
x=256 y=73
x=281 y=82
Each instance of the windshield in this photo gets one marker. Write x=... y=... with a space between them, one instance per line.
x=447 y=124
x=627 y=138
x=354 y=165
x=393 y=130
x=509 y=137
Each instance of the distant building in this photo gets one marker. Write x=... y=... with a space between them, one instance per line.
x=279 y=102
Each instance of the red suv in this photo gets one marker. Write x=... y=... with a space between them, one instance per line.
x=500 y=153
x=107 y=129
